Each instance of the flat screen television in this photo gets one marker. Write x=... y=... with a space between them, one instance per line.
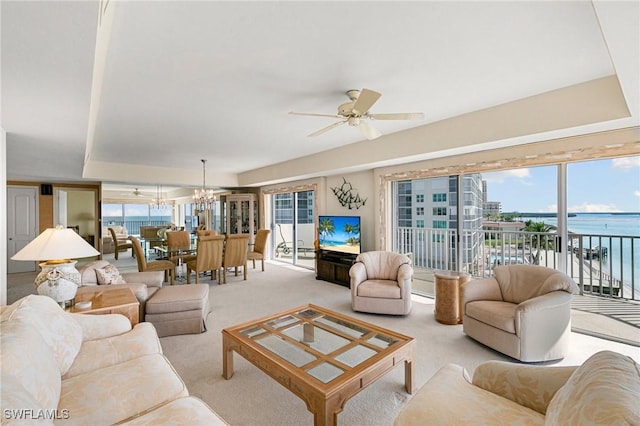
x=339 y=233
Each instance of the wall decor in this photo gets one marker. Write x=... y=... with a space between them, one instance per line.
x=348 y=196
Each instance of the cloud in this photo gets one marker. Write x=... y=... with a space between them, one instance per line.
x=626 y=163
x=502 y=176
x=593 y=208
x=637 y=193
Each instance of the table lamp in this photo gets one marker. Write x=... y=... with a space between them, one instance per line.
x=59 y=278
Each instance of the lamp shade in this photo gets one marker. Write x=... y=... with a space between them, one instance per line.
x=56 y=243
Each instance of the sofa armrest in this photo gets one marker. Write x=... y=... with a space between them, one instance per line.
x=405 y=273
x=358 y=274
x=150 y=278
x=530 y=385
x=101 y=326
x=480 y=289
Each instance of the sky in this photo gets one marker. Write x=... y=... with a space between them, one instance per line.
x=611 y=185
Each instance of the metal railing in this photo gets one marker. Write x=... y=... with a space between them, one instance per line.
x=602 y=265
x=133 y=226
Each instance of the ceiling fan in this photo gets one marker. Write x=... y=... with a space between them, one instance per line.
x=356 y=113
x=136 y=193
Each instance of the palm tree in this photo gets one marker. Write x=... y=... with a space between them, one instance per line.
x=326 y=227
x=350 y=229
x=541 y=240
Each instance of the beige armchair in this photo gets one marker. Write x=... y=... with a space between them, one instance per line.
x=381 y=283
x=524 y=311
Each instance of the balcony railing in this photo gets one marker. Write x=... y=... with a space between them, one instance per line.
x=133 y=226
x=600 y=265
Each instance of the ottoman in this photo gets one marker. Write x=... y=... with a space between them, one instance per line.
x=179 y=309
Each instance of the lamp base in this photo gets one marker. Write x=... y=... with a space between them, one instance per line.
x=59 y=281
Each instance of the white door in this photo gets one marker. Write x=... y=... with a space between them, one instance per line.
x=22 y=226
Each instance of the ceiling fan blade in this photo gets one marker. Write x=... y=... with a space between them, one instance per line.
x=314 y=114
x=398 y=116
x=365 y=101
x=326 y=129
x=368 y=130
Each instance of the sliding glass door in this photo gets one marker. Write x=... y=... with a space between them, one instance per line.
x=293 y=228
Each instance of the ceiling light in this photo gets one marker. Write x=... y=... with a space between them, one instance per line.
x=203 y=199
x=158 y=202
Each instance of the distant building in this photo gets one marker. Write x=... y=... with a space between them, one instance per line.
x=492 y=208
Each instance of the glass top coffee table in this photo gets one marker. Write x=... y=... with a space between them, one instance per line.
x=322 y=356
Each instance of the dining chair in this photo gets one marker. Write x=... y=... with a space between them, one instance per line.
x=206 y=232
x=209 y=254
x=177 y=242
x=259 y=247
x=120 y=244
x=156 y=265
x=235 y=254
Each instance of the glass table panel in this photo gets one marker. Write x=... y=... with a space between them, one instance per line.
x=325 y=372
x=343 y=326
x=282 y=321
x=252 y=332
x=382 y=341
x=355 y=355
x=286 y=350
x=316 y=337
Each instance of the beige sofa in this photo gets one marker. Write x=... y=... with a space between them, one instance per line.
x=605 y=390
x=143 y=284
x=523 y=311
x=381 y=283
x=59 y=367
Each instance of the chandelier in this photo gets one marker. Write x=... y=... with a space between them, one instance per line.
x=158 y=202
x=203 y=199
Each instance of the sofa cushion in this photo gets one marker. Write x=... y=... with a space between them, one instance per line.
x=448 y=398
x=88 y=273
x=28 y=362
x=379 y=288
x=57 y=327
x=94 y=354
x=500 y=315
x=182 y=411
x=119 y=392
x=109 y=275
x=19 y=407
x=382 y=264
x=603 y=390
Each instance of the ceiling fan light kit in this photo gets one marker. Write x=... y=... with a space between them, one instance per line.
x=356 y=112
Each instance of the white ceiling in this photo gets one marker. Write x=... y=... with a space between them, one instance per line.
x=171 y=83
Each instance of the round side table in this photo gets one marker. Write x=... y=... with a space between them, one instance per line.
x=448 y=304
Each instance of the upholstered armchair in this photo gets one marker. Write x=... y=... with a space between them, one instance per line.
x=208 y=257
x=523 y=311
x=381 y=283
x=235 y=254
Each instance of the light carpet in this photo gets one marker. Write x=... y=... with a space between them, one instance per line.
x=251 y=397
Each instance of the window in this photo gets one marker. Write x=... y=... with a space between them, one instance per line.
x=439 y=211
x=419 y=198
x=420 y=223
x=439 y=198
x=420 y=211
x=440 y=224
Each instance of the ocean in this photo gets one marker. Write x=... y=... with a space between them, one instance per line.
x=602 y=226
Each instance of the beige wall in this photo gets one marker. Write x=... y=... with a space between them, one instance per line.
x=80 y=211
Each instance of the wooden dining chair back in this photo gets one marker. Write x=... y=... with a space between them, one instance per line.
x=235 y=254
x=167 y=266
x=177 y=242
x=259 y=247
x=206 y=232
x=208 y=257
x=120 y=244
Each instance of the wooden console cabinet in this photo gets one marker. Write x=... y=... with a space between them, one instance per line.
x=334 y=267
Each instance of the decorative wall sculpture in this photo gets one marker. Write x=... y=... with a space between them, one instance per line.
x=348 y=196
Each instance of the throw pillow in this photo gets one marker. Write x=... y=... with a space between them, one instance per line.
x=109 y=275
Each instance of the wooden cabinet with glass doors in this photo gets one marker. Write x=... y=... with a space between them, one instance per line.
x=242 y=214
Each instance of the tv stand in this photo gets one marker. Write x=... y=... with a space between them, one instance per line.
x=334 y=267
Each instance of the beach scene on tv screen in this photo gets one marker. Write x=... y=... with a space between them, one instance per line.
x=340 y=233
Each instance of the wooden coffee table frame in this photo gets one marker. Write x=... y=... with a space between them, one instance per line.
x=324 y=400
